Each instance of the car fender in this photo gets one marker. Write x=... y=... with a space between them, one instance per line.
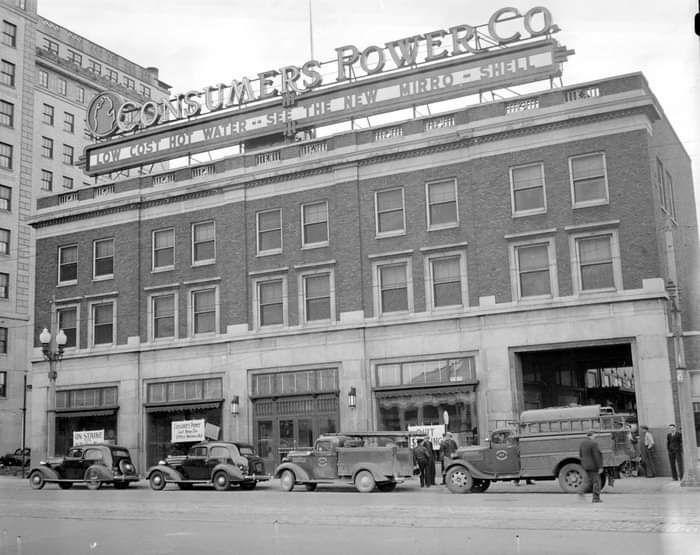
x=103 y=472
x=475 y=472
x=234 y=473
x=299 y=472
x=375 y=469
x=171 y=475
x=47 y=473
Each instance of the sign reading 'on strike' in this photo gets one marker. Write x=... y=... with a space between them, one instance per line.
x=187 y=430
x=84 y=437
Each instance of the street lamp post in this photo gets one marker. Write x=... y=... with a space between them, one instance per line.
x=52 y=347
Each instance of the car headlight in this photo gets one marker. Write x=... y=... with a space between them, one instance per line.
x=161 y=462
x=243 y=467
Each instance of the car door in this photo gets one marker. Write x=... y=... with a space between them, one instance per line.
x=218 y=454
x=72 y=467
x=195 y=466
x=503 y=453
x=324 y=461
x=92 y=455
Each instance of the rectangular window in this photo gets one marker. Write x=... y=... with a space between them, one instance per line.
x=68 y=322
x=68 y=122
x=80 y=95
x=95 y=67
x=447 y=283
x=7 y=114
x=62 y=86
x=7 y=73
x=163 y=310
x=271 y=302
x=129 y=83
x=46 y=180
x=4 y=241
x=68 y=264
x=103 y=323
x=317 y=297
x=589 y=183
x=595 y=263
x=112 y=75
x=442 y=204
x=314 y=222
x=4 y=286
x=68 y=155
x=163 y=249
x=389 y=207
x=47 y=147
x=51 y=45
x=533 y=269
x=269 y=231
x=5 y=156
x=3 y=384
x=204 y=311
x=44 y=78
x=527 y=190
x=203 y=243
x=9 y=34
x=146 y=91
x=74 y=57
x=67 y=182
x=670 y=204
x=3 y=341
x=48 y=114
x=393 y=288
x=103 y=266
x=5 y=198
x=427 y=372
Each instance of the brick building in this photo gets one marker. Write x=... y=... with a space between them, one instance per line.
x=47 y=78
x=508 y=255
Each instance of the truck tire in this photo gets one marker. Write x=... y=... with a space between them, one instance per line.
x=572 y=478
x=459 y=480
x=287 y=480
x=480 y=486
x=364 y=481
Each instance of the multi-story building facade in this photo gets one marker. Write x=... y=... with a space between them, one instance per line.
x=509 y=255
x=48 y=77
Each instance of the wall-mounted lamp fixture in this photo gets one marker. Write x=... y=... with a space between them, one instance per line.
x=235 y=406
x=352 y=398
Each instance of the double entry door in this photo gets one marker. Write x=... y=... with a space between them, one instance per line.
x=290 y=423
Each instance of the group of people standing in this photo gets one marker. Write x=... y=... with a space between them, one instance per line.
x=674 y=446
x=425 y=458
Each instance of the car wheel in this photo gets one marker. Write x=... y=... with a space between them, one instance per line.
x=386 y=486
x=310 y=487
x=221 y=481
x=92 y=479
x=572 y=478
x=459 y=480
x=157 y=481
x=36 y=480
x=65 y=485
x=364 y=481
x=247 y=486
x=287 y=480
x=480 y=486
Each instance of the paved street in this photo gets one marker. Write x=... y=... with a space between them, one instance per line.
x=640 y=516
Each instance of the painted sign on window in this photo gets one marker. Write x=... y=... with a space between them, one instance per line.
x=187 y=430
x=85 y=437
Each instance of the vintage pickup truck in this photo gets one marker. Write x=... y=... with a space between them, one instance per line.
x=543 y=445
x=367 y=459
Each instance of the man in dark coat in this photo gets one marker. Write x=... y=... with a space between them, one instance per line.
x=592 y=462
x=428 y=445
x=420 y=455
x=674 y=444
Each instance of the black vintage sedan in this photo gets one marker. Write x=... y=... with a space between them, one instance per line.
x=221 y=464
x=18 y=458
x=93 y=465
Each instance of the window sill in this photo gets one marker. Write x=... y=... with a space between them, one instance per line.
x=67 y=283
x=526 y=213
x=389 y=234
x=268 y=253
x=590 y=204
x=162 y=269
x=310 y=246
x=103 y=278
x=440 y=227
x=203 y=263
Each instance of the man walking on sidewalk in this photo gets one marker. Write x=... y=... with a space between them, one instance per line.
x=674 y=443
x=592 y=461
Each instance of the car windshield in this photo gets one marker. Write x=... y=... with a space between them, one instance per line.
x=246 y=450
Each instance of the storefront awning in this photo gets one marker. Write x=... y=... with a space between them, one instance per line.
x=184 y=406
x=84 y=413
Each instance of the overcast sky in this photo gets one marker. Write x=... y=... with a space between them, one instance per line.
x=196 y=43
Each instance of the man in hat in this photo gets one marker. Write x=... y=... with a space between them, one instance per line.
x=592 y=462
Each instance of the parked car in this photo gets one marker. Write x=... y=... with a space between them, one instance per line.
x=93 y=465
x=214 y=463
x=16 y=459
x=368 y=460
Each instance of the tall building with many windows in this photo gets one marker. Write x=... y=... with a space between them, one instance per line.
x=508 y=255
x=48 y=74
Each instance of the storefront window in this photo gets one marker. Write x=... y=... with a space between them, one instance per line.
x=427 y=372
x=290 y=383
x=187 y=390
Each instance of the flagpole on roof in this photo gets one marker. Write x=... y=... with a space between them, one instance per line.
x=311 y=32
